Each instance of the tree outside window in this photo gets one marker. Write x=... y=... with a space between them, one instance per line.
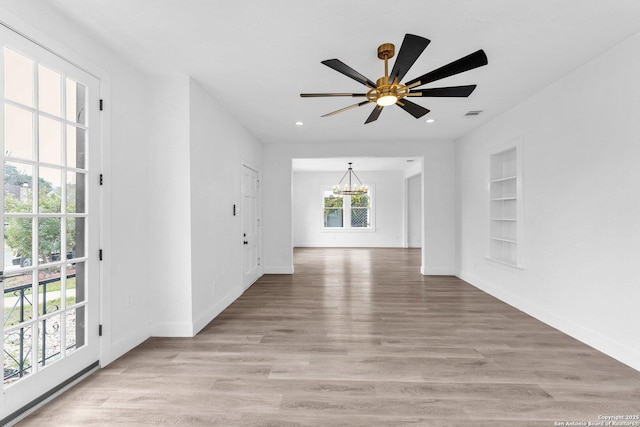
x=347 y=212
x=360 y=205
x=333 y=210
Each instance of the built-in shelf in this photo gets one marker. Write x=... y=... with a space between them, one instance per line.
x=500 y=239
x=504 y=181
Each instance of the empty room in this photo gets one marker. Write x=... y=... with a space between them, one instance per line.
x=330 y=213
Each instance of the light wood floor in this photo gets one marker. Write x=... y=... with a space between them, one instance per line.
x=356 y=337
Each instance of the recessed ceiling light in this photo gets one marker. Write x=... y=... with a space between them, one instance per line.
x=431 y=120
x=299 y=123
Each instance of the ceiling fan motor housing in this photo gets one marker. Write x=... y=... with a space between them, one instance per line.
x=386 y=51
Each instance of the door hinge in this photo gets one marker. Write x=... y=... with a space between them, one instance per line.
x=257 y=183
x=258 y=261
x=99 y=330
x=101 y=105
x=100 y=254
x=101 y=179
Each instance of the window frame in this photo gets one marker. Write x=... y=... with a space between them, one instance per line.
x=346 y=213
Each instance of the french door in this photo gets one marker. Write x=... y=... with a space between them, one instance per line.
x=49 y=139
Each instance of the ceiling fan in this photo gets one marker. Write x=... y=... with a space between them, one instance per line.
x=388 y=90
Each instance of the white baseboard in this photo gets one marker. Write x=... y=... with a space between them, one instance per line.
x=185 y=329
x=124 y=344
x=431 y=271
x=614 y=349
x=348 y=245
x=274 y=269
x=172 y=329
x=206 y=317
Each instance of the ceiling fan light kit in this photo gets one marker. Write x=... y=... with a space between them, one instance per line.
x=388 y=90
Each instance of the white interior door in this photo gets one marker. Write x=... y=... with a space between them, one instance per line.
x=49 y=139
x=250 y=225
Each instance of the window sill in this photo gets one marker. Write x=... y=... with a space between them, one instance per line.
x=504 y=263
x=347 y=230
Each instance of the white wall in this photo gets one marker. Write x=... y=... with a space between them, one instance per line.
x=219 y=146
x=195 y=158
x=308 y=211
x=438 y=184
x=414 y=211
x=169 y=208
x=581 y=188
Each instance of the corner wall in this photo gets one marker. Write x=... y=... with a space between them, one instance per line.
x=218 y=148
x=581 y=187
x=169 y=208
x=195 y=170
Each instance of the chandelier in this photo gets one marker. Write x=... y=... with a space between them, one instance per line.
x=350 y=188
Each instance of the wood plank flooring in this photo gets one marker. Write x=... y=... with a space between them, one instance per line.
x=356 y=337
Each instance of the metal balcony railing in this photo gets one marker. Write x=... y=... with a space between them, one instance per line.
x=17 y=358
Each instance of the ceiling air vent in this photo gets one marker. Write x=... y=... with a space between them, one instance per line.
x=473 y=113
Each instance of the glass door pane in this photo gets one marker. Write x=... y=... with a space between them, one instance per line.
x=50 y=283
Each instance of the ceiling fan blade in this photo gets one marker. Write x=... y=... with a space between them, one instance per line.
x=453 y=91
x=333 y=113
x=320 y=95
x=412 y=47
x=412 y=108
x=374 y=114
x=343 y=68
x=469 y=62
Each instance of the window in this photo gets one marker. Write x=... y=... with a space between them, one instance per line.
x=360 y=211
x=347 y=212
x=505 y=199
x=333 y=210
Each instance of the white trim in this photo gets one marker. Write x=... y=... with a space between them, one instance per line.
x=349 y=245
x=435 y=271
x=63 y=51
x=278 y=269
x=116 y=349
x=47 y=53
x=405 y=211
x=504 y=264
x=55 y=395
x=260 y=270
x=619 y=351
x=172 y=329
x=517 y=144
x=346 y=213
x=347 y=230
x=46 y=42
x=205 y=318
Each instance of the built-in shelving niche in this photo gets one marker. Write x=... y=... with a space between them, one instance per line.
x=504 y=195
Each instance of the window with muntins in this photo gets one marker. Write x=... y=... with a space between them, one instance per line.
x=347 y=212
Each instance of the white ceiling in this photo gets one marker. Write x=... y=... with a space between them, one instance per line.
x=360 y=164
x=256 y=56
